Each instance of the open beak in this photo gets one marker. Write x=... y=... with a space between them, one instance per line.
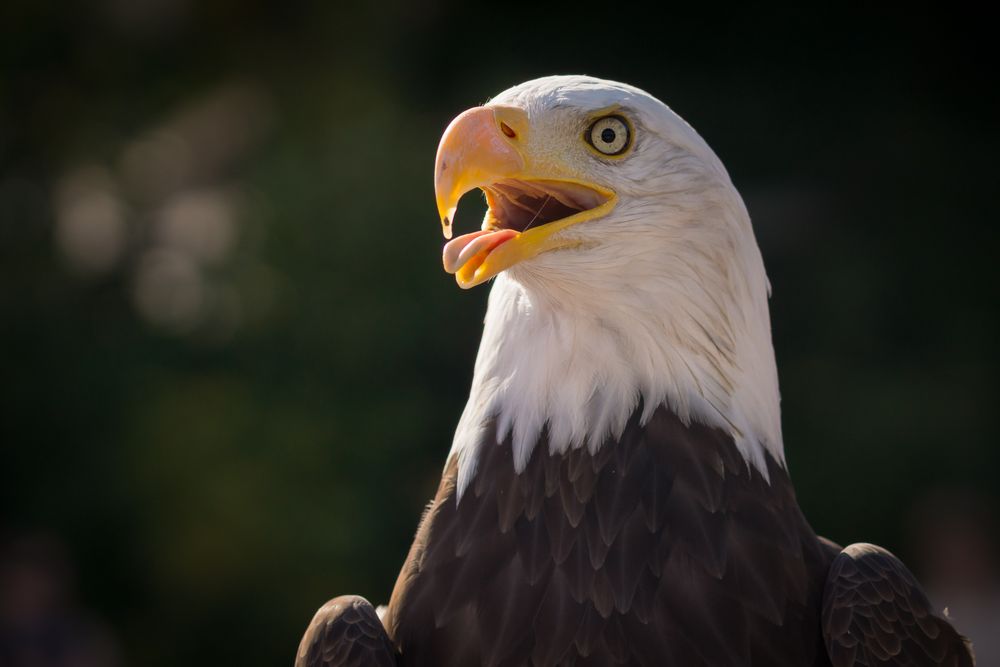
x=484 y=148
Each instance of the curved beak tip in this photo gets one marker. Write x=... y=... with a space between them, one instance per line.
x=472 y=153
x=446 y=222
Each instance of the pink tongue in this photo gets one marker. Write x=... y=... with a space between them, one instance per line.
x=475 y=246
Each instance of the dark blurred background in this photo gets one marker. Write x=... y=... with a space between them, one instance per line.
x=232 y=364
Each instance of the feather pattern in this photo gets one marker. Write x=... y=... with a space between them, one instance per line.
x=591 y=579
x=346 y=632
x=875 y=613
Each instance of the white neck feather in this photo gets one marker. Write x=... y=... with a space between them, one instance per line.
x=671 y=308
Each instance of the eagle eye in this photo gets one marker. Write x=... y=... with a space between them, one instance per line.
x=610 y=135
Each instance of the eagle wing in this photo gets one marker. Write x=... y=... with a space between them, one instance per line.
x=875 y=613
x=346 y=632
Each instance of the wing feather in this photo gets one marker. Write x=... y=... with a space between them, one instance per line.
x=875 y=613
x=346 y=632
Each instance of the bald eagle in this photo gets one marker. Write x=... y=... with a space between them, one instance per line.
x=616 y=492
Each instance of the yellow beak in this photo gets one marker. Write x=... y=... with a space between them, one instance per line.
x=480 y=148
x=473 y=152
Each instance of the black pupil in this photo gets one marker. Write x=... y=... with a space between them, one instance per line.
x=607 y=135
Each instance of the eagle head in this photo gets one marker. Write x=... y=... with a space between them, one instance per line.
x=626 y=271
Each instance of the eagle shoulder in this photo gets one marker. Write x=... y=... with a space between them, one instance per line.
x=346 y=632
x=875 y=613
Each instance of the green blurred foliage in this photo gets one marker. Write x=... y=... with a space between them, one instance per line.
x=229 y=426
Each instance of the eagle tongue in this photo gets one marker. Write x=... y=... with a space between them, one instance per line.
x=474 y=247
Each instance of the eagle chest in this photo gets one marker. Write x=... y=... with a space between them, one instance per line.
x=662 y=547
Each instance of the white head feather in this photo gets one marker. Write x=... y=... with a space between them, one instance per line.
x=665 y=300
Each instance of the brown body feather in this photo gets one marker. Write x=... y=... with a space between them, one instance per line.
x=663 y=548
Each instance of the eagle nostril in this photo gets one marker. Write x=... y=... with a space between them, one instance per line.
x=507 y=130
